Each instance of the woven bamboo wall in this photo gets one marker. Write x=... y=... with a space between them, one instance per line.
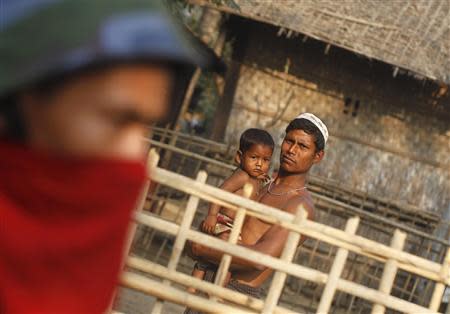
x=389 y=136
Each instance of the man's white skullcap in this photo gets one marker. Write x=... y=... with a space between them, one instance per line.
x=317 y=122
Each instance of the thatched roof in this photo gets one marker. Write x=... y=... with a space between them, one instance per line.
x=409 y=34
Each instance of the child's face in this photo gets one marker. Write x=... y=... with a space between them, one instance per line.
x=256 y=160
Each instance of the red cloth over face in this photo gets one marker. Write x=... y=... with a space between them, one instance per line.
x=63 y=225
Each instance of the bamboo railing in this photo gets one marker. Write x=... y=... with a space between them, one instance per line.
x=227 y=301
x=325 y=187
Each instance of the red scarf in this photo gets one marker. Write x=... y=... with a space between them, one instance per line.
x=63 y=224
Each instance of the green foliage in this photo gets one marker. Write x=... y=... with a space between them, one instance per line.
x=229 y=3
x=209 y=97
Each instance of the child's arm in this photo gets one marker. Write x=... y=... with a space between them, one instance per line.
x=232 y=184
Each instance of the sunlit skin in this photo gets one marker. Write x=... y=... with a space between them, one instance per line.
x=254 y=164
x=298 y=155
x=102 y=113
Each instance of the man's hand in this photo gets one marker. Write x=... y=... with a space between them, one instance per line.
x=209 y=224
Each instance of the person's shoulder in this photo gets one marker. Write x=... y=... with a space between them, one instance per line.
x=303 y=199
x=239 y=174
x=237 y=179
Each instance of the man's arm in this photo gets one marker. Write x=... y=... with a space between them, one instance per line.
x=271 y=243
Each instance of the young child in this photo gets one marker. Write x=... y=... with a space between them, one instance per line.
x=254 y=155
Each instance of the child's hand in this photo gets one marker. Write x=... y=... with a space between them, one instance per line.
x=209 y=224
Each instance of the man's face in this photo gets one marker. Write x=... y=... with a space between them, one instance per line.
x=298 y=152
x=101 y=114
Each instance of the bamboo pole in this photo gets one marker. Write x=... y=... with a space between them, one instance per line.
x=189 y=137
x=190 y=154
x=440 y=287
x=180 y=240
x=317 y=180
x=235 y=250
x=390 y=270
x=336 y=269
x=233 y=239
x=187 y=280
x=185 y=225
x=152 y=163
x=171 y=294
x=292 y=269
x=305 y=229
x=318 y=196
x=288 y=254
x=357 y=244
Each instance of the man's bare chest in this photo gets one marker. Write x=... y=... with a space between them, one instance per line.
x=255 y=228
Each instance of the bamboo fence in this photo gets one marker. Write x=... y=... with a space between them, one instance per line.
x=334 y=204
x=226 y=301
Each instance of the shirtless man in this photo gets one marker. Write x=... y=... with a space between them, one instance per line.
x=302 y=147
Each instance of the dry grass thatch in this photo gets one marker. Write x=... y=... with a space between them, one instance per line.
x=409 y=34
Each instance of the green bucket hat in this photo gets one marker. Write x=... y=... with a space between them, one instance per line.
x=44 y=39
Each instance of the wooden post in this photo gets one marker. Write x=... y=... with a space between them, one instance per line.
x=390 y=270
x=336 y=269
x=184 y=106
x=180 y=240
x=288 y=253
x=440 y=286
x=186 y=101
x=234 y=236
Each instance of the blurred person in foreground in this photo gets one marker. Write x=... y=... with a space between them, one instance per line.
x=79 y=82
